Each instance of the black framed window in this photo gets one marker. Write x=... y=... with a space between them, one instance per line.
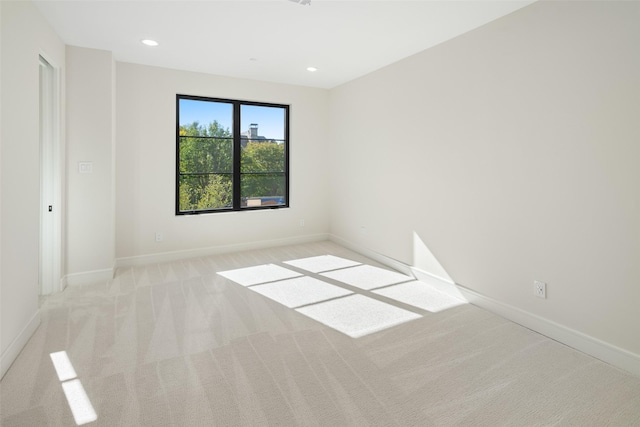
x=230 y=155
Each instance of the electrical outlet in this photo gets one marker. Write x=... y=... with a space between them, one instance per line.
x=540 y=289
x=158 y=236
x=302 y=223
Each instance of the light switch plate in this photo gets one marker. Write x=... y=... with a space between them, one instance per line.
x=85 y=167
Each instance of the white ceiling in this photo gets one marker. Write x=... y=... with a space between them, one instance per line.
x=271 y=40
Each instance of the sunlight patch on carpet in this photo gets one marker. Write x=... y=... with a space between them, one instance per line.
x=81 y=408
x=300 y=291
x=250 y=276
x=357 y=315
x=79 y=403
x=421 y=295
x=63 y=365
x=322 y=263
x=367 y=277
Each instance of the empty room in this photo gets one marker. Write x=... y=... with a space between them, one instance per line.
x=320 y=212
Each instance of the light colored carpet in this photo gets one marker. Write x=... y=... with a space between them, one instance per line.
x=176 y=344
x=357 y=315
x=367 y=277
x=250 y=276
x=421 y=295
x=300 y=291
x=318 y=264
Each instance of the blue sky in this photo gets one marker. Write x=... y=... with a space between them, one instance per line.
x=270 y=120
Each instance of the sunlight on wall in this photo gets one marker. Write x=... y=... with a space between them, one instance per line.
x=427 y=269
x=79 y=402
x=424 y=260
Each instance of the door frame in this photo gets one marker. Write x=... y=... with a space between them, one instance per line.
x=50 y=260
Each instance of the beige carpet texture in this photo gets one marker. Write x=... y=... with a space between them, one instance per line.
x=304 y=335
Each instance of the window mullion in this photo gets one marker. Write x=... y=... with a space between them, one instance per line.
x=237 y=160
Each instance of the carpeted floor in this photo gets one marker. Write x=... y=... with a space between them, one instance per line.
x=179 y=344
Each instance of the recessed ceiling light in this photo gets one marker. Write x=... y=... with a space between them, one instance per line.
x=150 y=42
x=312 y=69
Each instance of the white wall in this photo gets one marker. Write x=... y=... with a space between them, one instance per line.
x=1 y=226
x=145 y=161
x=512 y=152
x=25 y=35
x=90 y=138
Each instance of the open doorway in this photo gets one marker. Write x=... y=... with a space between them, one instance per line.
x=50 y=219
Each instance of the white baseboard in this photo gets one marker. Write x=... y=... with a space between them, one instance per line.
x=215 y=250
x=599 y=349
x=87 y=277
x=16 y=346
x=443 y=285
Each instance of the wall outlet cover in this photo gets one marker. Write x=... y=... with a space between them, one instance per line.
x=539 y=289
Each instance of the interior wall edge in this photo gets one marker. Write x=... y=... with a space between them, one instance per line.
x=16 y=346
x=216 y=250
x=601 y=350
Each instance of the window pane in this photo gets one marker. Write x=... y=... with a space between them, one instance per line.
x=260 y=124
x=206 y=118
x=206 y=155
x=263 y=155
x=205 y=191
x=263 y=189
